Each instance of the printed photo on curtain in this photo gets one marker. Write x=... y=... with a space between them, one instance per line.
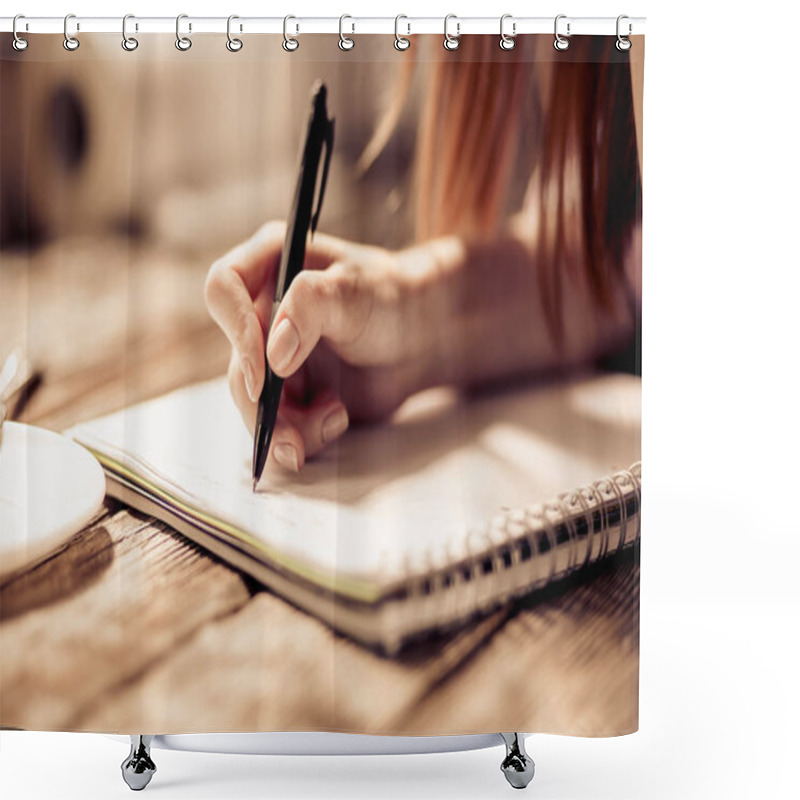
x=321 y=370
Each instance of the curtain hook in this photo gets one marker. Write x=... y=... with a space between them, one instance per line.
x=623 y=43
x=183 y=43
x=128 y=42
x=451 y=42
x=400 y=42
x=507 y=42
x=290 y=44
x=233 y=44
x=561 y=43
x=18 y=43
x=345 y=43
x=70 y=42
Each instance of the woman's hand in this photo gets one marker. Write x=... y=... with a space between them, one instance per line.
x=340 y=338
x=362 y=328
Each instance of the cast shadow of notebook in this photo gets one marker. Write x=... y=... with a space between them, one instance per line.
x=419 y=523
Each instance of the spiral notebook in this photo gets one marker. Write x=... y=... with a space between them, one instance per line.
x=449 y=509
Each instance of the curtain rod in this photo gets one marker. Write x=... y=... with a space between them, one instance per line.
x=406 y=26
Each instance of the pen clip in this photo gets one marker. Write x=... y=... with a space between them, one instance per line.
x=328 y=140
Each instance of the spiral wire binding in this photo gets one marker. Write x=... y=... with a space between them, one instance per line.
x=451 y=42
x=545 y=536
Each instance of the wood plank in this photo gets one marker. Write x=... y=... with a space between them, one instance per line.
x=566 y=662
x=59 y=573
x=153 y=366
x=108 y=324
x=69 y=635
x=269 y=666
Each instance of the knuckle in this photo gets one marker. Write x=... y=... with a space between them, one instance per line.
x=355 y=296
x=215 y=281
x=273 y=231
x=241 y=331
x=306 y=289
x=347 y=279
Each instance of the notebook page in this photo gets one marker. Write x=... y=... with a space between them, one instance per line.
x=387 y=499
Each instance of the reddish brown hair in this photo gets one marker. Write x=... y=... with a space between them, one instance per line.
x=591 y=122
x=586 y=183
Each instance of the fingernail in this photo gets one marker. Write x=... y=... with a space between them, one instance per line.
x=249 y=379
x=286 y=456
x=283 y=344
x=334 y=424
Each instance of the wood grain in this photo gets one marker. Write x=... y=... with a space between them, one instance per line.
x=144 y=590
x=269 y=666
x=132 y=628
x=565 y=662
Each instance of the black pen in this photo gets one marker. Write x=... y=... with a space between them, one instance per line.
x=300 y=221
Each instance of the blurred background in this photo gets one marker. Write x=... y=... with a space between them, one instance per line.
x=125 y=175
x=107 y=141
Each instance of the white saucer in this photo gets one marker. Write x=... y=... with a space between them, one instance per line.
x=50 y=487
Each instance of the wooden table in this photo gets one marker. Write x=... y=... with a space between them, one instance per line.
x=131 y=628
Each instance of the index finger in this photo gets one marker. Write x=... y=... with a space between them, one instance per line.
x=239 y=289
x=233 y=284
x=235 y=280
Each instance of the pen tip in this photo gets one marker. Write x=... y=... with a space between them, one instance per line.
x=255 y=483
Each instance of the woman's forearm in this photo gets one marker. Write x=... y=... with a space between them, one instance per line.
x=476 y=313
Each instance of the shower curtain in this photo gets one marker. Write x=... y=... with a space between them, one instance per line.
x=445 y=535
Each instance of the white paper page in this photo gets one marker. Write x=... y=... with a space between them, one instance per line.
x=393 y=498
